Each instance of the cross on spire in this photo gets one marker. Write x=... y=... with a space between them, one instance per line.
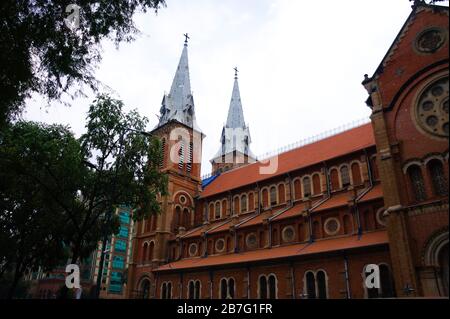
x=236 y=72
x=186 y=38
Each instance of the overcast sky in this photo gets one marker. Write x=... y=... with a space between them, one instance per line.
x=301 y=65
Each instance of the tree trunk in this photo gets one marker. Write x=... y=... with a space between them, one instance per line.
x=17 y=276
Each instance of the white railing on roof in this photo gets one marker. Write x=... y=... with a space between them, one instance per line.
x=315 y=138
x=310 y=140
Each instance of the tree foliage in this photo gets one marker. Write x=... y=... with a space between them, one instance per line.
x=39 y=53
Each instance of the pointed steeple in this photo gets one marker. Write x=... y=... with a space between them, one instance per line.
x=178 y=105
x=235 y=113
x=235 y=133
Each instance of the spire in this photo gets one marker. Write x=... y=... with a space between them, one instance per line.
x=235 y=133
x=178 y=105
x=235 y=114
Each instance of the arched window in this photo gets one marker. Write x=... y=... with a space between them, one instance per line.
x=310 y=285
x=316 y=184
x=224 y=207
x=197 y=290
x=321 y=284
x=334 y=176
x=227 y=288
x=186 y=218
x=211 y=211
x=251 y=201
x=345 y=176
x=272 y=287
x=265 y=198
x=306 y=186
x=273 y=196
x=177 y=218
x=281 y=193
x=236 y=205
x=144 y=291
x=243 y=203
x=144 y=257
x=356 y=174
x=262 y=287
x=150 y=251
x=438 y=179
x=217 y=213
x=194 y=291
x=297 y=189
x=417 y=183
x=166 y=290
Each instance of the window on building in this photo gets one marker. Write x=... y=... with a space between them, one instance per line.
x=317 y=188
x=120 y=246
x=227 y=288
x=310 y=285
x=273 y=196
x=306 y=186
x=123 y=232
x=194 y=290
x=297 y=189
x=438 y=179
x=334 y=176
x=243 y=203
x=236 y=206
x=118 y=262
x=190 y=157
x=272 y=287
x=124 y=217
x=251 y=202
x=345 y=176
x=166 y=290
x=265 y=198
x=217 y=213
x=356 y=174
x=417 y=183
x=321 y=284
x=262 y=287
x=163 y=153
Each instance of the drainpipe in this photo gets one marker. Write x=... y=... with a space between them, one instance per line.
x=291 y=201
x=347 y=277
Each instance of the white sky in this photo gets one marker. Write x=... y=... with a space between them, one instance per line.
x=301 y=65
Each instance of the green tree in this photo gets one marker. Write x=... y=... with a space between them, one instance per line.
x=39 y=53
x=31 y=221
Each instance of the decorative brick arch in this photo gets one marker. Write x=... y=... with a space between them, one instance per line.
x=433 y=246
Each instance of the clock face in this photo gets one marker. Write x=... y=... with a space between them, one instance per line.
x=432 y=108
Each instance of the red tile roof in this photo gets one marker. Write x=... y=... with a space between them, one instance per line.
x=294 y=211
x=343 y=143
x=375 y=193
x=322 y=246
x=336 y=200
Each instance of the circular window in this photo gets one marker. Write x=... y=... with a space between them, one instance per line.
x=430 y=40
x=251 y=241
x=220 y=245
x=288 y=234
x=193 y=249
x=183 y=199
x=432 y=108
x=381 y=219
x=332 y=226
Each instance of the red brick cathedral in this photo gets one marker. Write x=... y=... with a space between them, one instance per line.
x=308 y=222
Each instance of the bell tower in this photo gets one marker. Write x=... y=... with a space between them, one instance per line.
x=181 y=141
x=235 y=139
